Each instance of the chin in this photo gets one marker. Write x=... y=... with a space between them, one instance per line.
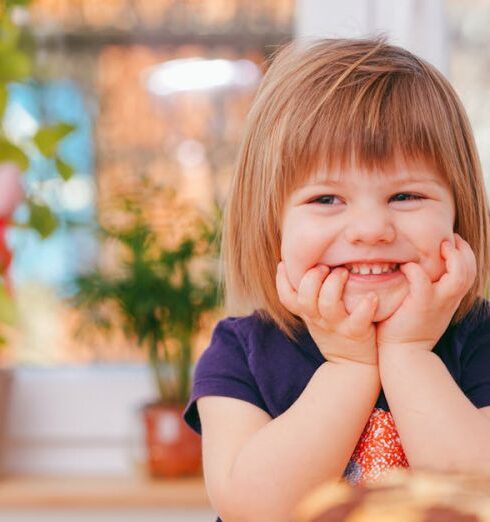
x=388 y=302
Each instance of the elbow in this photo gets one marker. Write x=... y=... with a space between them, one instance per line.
x=251 y=508
x=253 y=515
x=228 y=507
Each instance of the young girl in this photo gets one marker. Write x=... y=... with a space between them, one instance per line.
x=356 y=238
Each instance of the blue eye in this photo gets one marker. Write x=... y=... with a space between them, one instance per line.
x=404 y=196
x=327 y=199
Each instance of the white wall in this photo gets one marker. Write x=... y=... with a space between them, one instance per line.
x=76 y=420
x=418 y=25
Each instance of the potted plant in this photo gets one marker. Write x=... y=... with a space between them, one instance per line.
x=159 y=295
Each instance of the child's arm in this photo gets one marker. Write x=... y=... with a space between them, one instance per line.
x=258 y=469
x=438 y=425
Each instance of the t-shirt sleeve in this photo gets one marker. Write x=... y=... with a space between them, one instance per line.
x=475 y=376
x=222 y=370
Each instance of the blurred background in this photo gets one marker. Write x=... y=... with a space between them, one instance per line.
x=121 y=120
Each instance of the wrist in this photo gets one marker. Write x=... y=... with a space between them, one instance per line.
x=401 y=355
x=351 y=373
x=353 y=367
x=387 y=349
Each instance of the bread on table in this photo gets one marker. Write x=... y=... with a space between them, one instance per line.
x=401 y=496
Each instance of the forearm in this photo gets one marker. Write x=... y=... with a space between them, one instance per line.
x=439 y=427
x=309 y=443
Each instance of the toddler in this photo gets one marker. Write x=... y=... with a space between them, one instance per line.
x=355 y=249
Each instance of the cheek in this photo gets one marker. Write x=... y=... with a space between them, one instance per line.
x=425 y=233
x=302 y=247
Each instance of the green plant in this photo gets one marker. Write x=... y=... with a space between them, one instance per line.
x=160 y=295
x=17 y=65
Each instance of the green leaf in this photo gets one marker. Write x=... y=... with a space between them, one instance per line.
x=15 y=65
x=9 y=33
x=3 y=98
x=48 y=138
x=7 y=307
x=42 y=219
x=13 y=3
x=10 y=152
x=65 y=170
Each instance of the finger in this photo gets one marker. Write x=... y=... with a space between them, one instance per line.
x=330 y=303
x=363 y=314
x=285 y=291
x=418 y=280
x=309 y=288
x=453 y=261
x=460 y=269
x=469 y=258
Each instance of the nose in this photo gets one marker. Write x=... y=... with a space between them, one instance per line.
x=371 y=226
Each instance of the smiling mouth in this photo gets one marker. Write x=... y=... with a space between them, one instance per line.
x=365 y=269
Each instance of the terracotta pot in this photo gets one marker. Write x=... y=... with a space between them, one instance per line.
x=173 y=449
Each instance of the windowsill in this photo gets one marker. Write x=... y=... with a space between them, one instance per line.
x=101 y=492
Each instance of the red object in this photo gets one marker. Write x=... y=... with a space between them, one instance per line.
x=11 y=194
x=173 y=449
x=5 y=257
x=11 y=191
x=5 y=254
x=378 y=450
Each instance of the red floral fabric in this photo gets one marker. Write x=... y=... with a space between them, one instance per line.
x=378 y=450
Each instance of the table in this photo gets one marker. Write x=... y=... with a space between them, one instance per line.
x=103 y=499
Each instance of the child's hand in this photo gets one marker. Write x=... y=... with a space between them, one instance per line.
x=339 y=336
x=428 y=308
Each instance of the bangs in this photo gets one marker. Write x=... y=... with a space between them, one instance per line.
x=370 y=122
x=342 y=104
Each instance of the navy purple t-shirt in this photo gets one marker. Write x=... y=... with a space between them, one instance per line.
x=252 y=360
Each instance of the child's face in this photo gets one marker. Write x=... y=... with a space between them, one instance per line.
x=358 y=217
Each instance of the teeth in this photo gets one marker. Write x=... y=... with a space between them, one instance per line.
x=376 y=269
x=364 y=269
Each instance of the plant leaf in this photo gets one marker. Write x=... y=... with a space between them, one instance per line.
x=48 y=138
x=14 y=65
x=65 y=170
x=42 y=219
x=7 y=307
x=3 y=98
x=10 y=152
x=9 y=33
x=13 y=3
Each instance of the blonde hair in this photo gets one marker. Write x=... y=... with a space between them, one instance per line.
x=338 y=101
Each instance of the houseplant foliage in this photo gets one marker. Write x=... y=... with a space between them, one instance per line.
x=159 y=293
x=17 y=66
